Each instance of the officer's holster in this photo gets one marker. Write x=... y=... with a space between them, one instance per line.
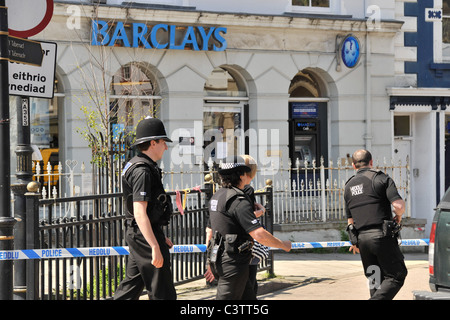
x=215 y=249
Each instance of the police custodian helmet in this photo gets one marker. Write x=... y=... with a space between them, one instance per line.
x=233 y=163
x=150 y=129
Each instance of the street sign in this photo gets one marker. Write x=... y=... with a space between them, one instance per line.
x=25 y=51
x=27 y=18
x=33 y=81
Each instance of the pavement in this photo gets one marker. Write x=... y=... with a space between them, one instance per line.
x=319 y=276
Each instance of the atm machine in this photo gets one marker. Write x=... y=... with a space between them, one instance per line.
x=308 y=138
x=305 y=141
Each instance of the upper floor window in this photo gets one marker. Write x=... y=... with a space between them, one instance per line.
x=446 y=21
x=312 y=3
x=315 y=6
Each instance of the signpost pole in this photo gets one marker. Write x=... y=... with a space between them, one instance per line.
x=25 y=81
x=6 y=220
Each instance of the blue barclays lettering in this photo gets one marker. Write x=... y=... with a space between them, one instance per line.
x=190 y=39
x=220 y=39
x=172 y=34
x=139 y=31
x=119 y=34
x=155 y=42
x=160 y=36
x=205 y=36
x=102 y=32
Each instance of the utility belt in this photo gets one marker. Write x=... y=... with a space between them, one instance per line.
x=231 y=244
x=390 y=229
x=161 y=210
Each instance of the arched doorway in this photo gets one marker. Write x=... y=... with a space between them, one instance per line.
x=308 y=120
x=225 y=115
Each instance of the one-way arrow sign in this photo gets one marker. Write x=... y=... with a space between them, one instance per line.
x=25 y=51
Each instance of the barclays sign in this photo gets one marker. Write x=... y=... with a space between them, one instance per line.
x=159 y=36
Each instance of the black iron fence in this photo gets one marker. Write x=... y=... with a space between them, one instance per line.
x=97 y=221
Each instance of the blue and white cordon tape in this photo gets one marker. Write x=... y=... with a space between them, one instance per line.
x=186 y=248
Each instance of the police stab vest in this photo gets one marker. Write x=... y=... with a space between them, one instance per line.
x=223 y=221
x=366 y=200
x=159 y=208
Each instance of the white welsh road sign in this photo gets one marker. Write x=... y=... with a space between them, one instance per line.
x=33 y=81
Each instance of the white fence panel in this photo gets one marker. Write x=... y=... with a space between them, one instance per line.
x=300 y=194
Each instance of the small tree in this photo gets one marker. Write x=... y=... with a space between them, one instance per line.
x=111 y=122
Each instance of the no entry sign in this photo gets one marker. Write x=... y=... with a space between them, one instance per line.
x=34 y=81
x=27 y=18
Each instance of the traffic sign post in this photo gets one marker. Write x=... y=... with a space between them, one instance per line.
x=27 y=69
x=27 y=81
x=6 y=220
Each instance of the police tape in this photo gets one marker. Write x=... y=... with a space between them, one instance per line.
x=337 y=244
x=62 y=253
x=187 y=248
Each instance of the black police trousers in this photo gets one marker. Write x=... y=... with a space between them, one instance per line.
x=142 y=274
x=234 y=282
x=383 y=263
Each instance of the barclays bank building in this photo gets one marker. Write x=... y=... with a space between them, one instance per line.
x=280 y=80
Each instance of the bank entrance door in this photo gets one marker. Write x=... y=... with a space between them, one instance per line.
x=223 y=131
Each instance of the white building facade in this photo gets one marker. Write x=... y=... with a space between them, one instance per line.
x=276 y=79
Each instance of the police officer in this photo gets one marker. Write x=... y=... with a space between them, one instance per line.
x=370 y=198
x=233 y=226
x=147 y=209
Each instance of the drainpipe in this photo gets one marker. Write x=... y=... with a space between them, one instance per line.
x=368 y=135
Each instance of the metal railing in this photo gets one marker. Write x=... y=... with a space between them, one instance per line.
x=309 y=193
x=316 y=193
x=97 y=221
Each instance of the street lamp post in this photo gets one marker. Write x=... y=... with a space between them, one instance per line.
x=24 y=175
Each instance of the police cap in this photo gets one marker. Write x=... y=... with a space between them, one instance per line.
x=233 y=163
x=150 y=129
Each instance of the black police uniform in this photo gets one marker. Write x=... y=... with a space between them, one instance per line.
x=368 y=196
x=231 y=219
x=142 y=182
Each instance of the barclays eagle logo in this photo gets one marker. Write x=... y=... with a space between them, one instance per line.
x=350 y=51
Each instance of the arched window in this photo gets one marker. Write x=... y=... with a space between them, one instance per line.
x=308 y=137
x=304 y=85
x=134 y=95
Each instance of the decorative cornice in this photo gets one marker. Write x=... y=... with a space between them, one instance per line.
x=192 y=17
